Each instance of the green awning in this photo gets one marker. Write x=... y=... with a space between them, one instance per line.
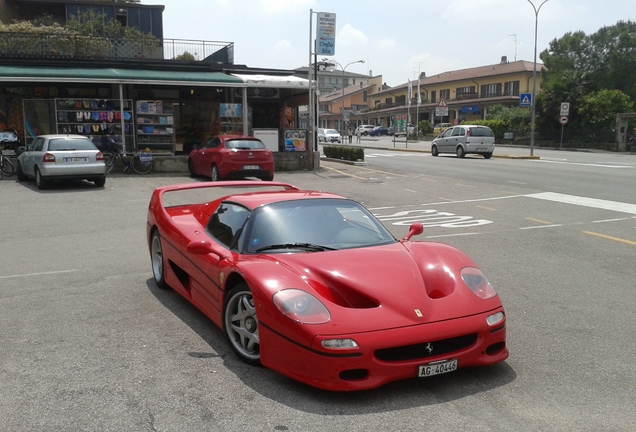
x=117 y=76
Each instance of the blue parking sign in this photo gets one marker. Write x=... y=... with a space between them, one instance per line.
x=525 y=99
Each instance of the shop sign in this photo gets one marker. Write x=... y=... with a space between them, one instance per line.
x=326 y=34
x=295 y=140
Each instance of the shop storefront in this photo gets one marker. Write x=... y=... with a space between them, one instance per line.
x=165 y=112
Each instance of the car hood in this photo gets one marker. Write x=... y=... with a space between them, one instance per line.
x=396 y=285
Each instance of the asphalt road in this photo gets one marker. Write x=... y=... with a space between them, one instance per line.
x=87 y=341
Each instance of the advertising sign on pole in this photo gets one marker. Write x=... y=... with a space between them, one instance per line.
x=326 y=34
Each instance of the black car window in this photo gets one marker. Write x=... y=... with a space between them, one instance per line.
x=481 y=131
x=37 y=144
x=458 y=131
x=226 y=224
x=447 y=132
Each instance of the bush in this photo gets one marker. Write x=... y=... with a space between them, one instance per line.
x=344 y=152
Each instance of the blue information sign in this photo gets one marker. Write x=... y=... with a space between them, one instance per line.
x=525 y=99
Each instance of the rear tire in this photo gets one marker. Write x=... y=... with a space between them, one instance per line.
x=100 y=182
x=7 y=167
x=460 y=152
x=110 y=163
x=157 y=260
x=434 y=151
x=39 y=180
x=191 y=169
x=487 y=155
x=139 y=166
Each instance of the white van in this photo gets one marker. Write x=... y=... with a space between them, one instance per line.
x=465 y=139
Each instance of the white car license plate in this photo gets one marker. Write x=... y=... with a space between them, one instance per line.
x=75 y=159
x=437 y=368
x=250 y=167
x=481 y=148
x=8 y=152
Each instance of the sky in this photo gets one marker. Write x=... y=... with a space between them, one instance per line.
x=397 y=39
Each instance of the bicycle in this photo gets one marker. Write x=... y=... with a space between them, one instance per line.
x=6 y=166
x=141 y=163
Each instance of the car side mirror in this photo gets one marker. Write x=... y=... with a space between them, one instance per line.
x=200 y=247
x=415 y=229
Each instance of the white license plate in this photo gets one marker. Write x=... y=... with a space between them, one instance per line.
x=437 y=368
x=8 y=152
x=75 y=159
x=481 y=149
x=250 y=167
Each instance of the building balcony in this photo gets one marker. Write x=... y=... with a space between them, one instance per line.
x=15 y=45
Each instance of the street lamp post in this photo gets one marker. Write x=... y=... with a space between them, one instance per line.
x=534 y=76
x=343 y=84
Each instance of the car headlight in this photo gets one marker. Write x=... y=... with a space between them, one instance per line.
x=477 y=282
x=300 y=306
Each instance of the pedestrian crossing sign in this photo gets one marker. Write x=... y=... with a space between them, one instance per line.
x=525 y=99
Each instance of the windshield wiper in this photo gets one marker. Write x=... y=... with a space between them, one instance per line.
x=306 y=246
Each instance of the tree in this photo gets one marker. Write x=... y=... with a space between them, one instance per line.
x=599 y=109
x=582 y=66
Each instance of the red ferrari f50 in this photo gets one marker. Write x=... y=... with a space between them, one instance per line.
x=312 y=285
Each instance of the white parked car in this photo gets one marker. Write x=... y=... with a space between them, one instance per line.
x=465 y=139
x=329 y=135
x=365 y=129
x=61 y=157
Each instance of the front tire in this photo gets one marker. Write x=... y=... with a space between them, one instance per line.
x=240 y=324
x=460 y=152
x=434 y=151
x=110 y=163
x=157 y=261
x=214 y=174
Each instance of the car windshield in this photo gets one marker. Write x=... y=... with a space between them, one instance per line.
x=332 y=132
x=71 y=144
x=244 y=144
x=312 y=225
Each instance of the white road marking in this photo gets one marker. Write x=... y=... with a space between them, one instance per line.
x=598 y=165
x=540 y=226
x=586 y=202
x=37 y=274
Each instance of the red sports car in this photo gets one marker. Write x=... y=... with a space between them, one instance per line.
x=312 y=285
x=232 y=156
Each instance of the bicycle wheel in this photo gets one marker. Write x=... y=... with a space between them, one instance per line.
x=6 y=167
x=110 y=163
x=139 y=166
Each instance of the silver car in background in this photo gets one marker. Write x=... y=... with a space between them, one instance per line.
x=329 y=135
x=61 y=157
x=465 y=139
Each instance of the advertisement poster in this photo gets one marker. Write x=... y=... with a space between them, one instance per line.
x=295 y=140
x=230 y=110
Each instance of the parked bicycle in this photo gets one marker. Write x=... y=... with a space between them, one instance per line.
x=6 y=166
x=140 y=162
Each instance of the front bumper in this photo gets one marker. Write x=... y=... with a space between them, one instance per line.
x=372 y=364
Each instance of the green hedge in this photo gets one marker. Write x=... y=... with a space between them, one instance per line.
x=344 y=152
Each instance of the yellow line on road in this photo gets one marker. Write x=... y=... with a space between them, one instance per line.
x=538 y=221
x=629 y=242
x=343 y=173
x=383 y=172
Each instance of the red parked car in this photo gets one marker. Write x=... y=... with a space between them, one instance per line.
x=232 y=156
x=310 y=284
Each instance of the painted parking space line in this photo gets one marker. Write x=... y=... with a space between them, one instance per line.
x=586 y=202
